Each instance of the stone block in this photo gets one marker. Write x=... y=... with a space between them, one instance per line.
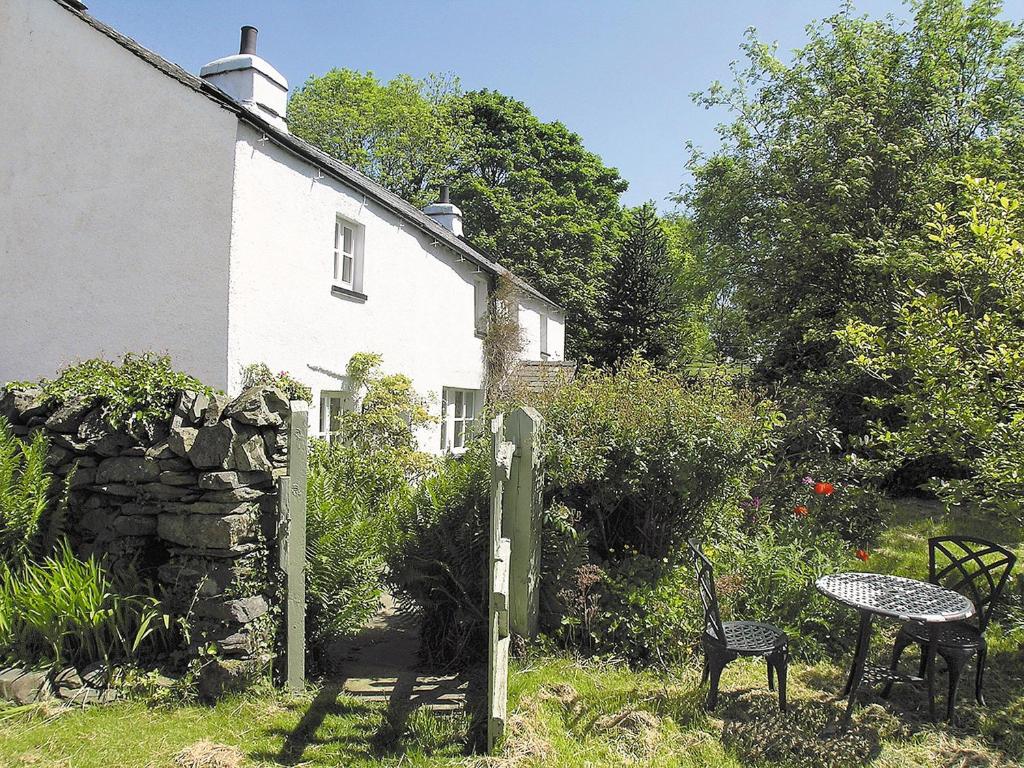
x=69 y=416
x=20 y=405
x=213 y=446
x=212 y=412
x=127 y=469
x=181 y=440
x=251 y=407
x=249 y=455
x=134 y=525
x=229 y=495
x=160 y=451
x=115 y=489
x=238 y=611
x=169 y=477
x=161 y=492
x=207 y=531
x=23 y=686
x=223 y=509
x=222 y=481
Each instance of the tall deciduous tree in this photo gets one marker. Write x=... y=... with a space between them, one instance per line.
x=539 y=201
x=638 y=308
x=833 y=159
x=398 y=133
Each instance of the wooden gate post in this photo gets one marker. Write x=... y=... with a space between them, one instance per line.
x=498 y=638
x=292 y=542
x=521 y=519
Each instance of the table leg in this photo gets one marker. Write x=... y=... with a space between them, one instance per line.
x=856 y=655
x=859 y=662
x=933 y=642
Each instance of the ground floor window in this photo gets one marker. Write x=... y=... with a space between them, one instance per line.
x=458 y=414
x=332 y=406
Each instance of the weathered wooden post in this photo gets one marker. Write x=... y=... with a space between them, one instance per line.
x=521 y=519
x=292 y=538
x=498 y=629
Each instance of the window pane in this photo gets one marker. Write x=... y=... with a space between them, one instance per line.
x=346 y=268
x=460 y=405
x=469 y=405
x=337 y=235
x=348 y=240
x=460 y=435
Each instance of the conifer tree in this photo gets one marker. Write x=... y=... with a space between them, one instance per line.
x=637 y=307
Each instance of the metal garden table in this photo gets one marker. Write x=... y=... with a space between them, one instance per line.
x=898 y=598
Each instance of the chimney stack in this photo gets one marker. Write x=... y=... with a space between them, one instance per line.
x=445 y=213
x=251 y=81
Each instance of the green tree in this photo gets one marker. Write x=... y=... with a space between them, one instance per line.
x=952 y=362
x=638 y=308
x=534 y=197
x=398 y=133
x=830 y=161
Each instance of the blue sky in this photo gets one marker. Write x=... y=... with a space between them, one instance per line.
x=617 y=72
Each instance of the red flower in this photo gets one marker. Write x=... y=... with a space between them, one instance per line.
x=800 y=510
x=862 y=555
x=824 y=489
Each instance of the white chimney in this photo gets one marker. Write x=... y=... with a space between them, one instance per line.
x=445 y=213
x=251 y=81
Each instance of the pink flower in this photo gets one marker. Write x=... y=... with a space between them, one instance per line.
x=808 y=480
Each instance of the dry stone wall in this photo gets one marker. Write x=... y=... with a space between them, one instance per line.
x=190 y=505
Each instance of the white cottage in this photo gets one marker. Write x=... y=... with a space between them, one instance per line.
x=145 y=208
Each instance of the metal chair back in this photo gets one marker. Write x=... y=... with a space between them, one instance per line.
x=976 y=568
x=706 y=590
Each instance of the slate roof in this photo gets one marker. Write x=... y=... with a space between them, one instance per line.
x=329 y=165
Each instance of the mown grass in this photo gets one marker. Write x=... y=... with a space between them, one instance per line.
x=571 y=712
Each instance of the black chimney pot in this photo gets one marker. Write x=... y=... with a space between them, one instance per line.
x=444 y=194
x=248 y=43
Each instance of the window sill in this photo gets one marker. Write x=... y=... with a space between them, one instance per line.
x=480 y=333
x=348 y=293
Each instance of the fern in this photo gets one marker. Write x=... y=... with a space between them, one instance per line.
x=24 y=493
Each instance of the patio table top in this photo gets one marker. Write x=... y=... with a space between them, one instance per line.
x=896 y=597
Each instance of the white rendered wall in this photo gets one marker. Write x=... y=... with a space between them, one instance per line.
x=115 y=203
x=530 y=312
x=419 y=312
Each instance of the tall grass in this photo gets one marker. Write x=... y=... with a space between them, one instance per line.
x=65 y=610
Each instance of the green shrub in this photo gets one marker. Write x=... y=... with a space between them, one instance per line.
x=25 y=486
x=440 y=561
x=259 y=374
x=67 y=611
x=352 y=501
x=137 y=392
x=767 y=574
x=647 y=461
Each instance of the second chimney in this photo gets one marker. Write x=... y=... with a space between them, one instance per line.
x=250 y=80
x=445 y=213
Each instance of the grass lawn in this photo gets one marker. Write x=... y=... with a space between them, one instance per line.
x=571 y=713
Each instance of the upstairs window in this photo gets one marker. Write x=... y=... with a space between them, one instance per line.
x=458 y=415
x=344 y=253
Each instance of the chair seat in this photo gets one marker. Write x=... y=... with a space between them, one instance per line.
x=953 y=634
x=751 y=638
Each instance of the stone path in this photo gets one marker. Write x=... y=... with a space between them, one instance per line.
x=381 y=664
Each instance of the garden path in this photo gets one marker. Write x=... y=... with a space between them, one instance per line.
x=381 y=664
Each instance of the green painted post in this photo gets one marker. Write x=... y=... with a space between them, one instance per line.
x=521 y=519
x=293 y=544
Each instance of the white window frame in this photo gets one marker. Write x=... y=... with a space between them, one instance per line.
x=460 y=412
x=345 y=402
x=348 y=256
x=544 y=353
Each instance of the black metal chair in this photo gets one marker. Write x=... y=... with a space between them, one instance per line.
x=979 y=570
x=725 y=641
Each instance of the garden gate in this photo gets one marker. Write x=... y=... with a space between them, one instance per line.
x=516 y=489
